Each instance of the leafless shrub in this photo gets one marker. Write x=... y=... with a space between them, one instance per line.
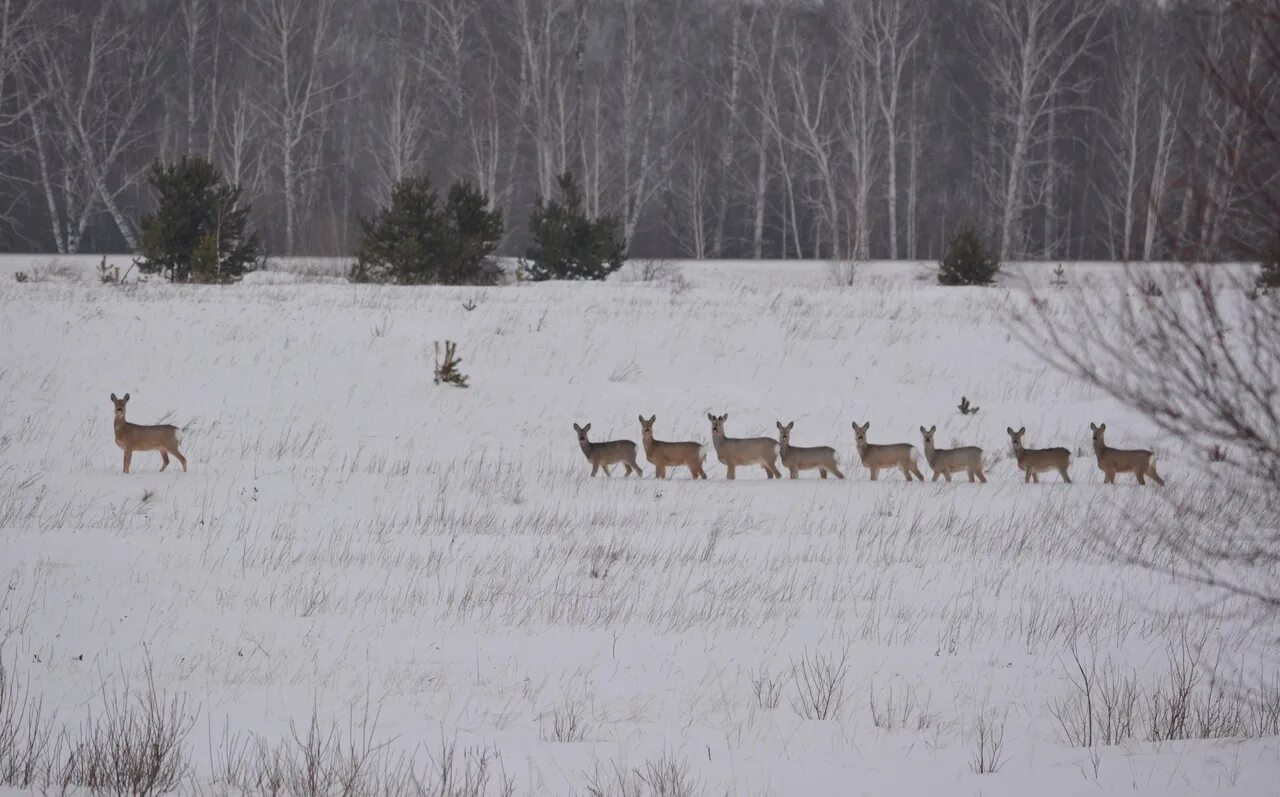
x=135 y=746
x=842 y=273
x=1217 y=453
x=665 y=777
x=25 y=732
x=648 y=269
x=564 y=723
x=767 y=687
x=819 y=684
x=966 y=408
x=1101 y=706
x=21 y=276
x=988 y=738
x=892 y=708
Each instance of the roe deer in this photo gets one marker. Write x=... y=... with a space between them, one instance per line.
x=663 y=455
x=895 y=455
x=796 y=459
x=602 y=455
x=741 y=451
x=1117 y=460
x=134 y=437
x=1034 y=461
x=946 y=461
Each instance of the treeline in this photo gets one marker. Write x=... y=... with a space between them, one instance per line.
x=707 y=128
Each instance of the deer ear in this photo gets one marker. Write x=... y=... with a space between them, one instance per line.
x=1093 y=426
x=791 y=426
x=1102 y=428
x=113 y=397
x=586 y=428
x=653 y=418
x=577 y=428
x=711 y=417
x=126 y=398
x=922 y=431
x=1009 y=429
x=1023 y=430
x=778 y=424
x=641 y=418
x=933 y=429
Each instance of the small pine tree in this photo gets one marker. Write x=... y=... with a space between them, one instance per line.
x=198 y=230
x=1269 y=275
x=415 y=241
x=967 y=261
x=566 y=244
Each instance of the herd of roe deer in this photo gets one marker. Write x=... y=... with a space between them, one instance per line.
x=737 y=452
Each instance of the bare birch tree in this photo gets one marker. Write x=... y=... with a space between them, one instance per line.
x=1032 y=51
x=293 y=42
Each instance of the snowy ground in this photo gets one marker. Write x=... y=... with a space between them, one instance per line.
x=352 y=537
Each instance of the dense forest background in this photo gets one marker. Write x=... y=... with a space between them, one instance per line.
x=709 y=128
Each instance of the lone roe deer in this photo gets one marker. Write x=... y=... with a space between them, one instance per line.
x=1033 y=461
x=796 y=459
x=663 y=455
x=734 y=452
x=134 y=437
x=894 y=455
x=1116 y=460
x=602 y=455
x=946 y=461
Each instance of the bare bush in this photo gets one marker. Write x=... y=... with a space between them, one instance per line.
x=988 y=738
x=565 y=722
x=665 y=777
x=842 y=273
x=892 y=708
x=647 y=269
x=25 y=732
x=134 y=746
x=767 y=687
x=819 y=684
x=1101 y=705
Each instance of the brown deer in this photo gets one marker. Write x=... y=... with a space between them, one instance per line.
x=796 y=459
x=602 y=455
x=894 y=455
x=1034 y=461
x=735 y=452
x=134 y=437
x=663 y=455
x=1117 y=460
x=946 y=461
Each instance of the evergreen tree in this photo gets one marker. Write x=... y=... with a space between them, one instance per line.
x=566 y=244
x=413 y=240
x=198 y=230
x=967 y=261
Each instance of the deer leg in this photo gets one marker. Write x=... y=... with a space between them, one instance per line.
x=982 y=477
x=1155 y=477
x=1142 y=480
x=874 y=472
x=181 y=459
x=837 y=472
x=1026 y=476
x=732 y=470
x=946 y=474
x=1035 y=477
x=823 y=471
x=906 y=473
x=164 y=460
x=1066 y=477
x=920 y=475
x=128 y=457
x=971 y=477
x=1110 y=478
x=795 y=472
x=595 y=468
x=936 y=474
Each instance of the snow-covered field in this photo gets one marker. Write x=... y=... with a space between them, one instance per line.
x=353 y=541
